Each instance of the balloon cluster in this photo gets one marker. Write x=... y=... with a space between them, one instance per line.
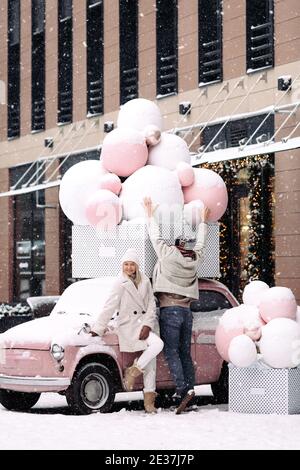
x=268 y=319
x=138 y=160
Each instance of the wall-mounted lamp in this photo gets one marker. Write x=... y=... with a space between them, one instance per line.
x=108 y=126
x=284 y=83
x=49 y=142
x=185 y=107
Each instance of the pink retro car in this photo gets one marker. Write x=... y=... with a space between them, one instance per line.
x=56 y=354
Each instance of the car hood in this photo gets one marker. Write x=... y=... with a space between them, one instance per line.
x=41 y=333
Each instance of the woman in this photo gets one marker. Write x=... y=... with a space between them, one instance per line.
x=132 y=297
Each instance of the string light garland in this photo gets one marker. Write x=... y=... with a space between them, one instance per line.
x=257 y=175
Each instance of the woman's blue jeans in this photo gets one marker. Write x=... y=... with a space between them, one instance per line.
x=176 y=331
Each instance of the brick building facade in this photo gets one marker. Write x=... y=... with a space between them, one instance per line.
x=234 y=89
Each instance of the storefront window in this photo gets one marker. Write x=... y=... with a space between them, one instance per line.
x=29 y=266
x=247 y=227
x=29 y=242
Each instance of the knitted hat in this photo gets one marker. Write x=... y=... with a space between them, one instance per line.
x=130 y=255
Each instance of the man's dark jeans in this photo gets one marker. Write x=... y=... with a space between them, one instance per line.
x=176 y=332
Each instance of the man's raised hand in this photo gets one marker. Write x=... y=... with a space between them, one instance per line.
x=149 y=207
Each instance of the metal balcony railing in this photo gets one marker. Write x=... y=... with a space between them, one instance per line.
x=261 y=45
x=167 y=75
x=65 y=107
x=38 y=115
x=129 y=86
x=95 y=97
x=13 y=121
x=211 y=67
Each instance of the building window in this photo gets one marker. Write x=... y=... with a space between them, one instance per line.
x=210 y=41
x=128 y=50
x=167 y=42
x=260 y=34
x=29 y=239
x=94 y=57
x=38 y=66
x=65 y=68
x=237 y=133
x=13 y=78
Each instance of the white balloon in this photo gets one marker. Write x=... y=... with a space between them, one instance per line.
x=77 y=186
x=138 y=114
x=251 y=317
x=242 y=351
x=298 y=314
x=232 y=318
x=192 y=212
x=280 y=343
x=253 y=292
x=158 y=183
x=170 y=151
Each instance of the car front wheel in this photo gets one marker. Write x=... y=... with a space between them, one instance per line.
x=18 y=401
x=91 y=390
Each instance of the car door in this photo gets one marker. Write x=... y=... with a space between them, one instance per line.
x=211 y=306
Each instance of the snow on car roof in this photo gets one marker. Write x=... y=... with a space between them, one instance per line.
x=86 y=296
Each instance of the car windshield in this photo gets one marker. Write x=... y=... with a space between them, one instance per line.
x=209 y=309
x=85 y=297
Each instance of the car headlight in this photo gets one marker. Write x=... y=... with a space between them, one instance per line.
x=57 y=352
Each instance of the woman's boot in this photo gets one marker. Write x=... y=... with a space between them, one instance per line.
x=131 y=373
x=149 y=402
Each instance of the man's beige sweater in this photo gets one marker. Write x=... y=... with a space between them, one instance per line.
x=174 y=273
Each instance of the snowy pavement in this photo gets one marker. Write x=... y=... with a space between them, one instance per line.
x=50 y=426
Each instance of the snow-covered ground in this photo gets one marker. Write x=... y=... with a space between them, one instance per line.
x=50 y=426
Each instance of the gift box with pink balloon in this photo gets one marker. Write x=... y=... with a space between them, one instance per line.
x=261 y=341
x=139 y=160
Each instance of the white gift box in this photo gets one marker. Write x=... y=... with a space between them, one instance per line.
x=261 y=389
x=98 y=254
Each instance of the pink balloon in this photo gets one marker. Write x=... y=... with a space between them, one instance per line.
x=104 y=210
x=111 y=182
x=209 y=188
x=278 y=302
x=223 y=339
x=185 y=174
x=124 y=151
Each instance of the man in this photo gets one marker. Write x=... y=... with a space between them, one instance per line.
x=175 y=283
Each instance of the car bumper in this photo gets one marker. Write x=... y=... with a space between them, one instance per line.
x=34 y=384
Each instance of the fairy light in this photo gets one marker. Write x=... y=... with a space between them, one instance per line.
x=259 y=178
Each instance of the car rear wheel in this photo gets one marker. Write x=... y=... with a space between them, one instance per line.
x=220 y=388
x=92 y=389
x=18 y=401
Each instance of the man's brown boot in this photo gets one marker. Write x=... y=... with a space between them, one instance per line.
x=131 y=373
x=185 y=401
x=149 y=402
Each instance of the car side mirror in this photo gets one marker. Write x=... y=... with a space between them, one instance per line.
x=195 y=306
